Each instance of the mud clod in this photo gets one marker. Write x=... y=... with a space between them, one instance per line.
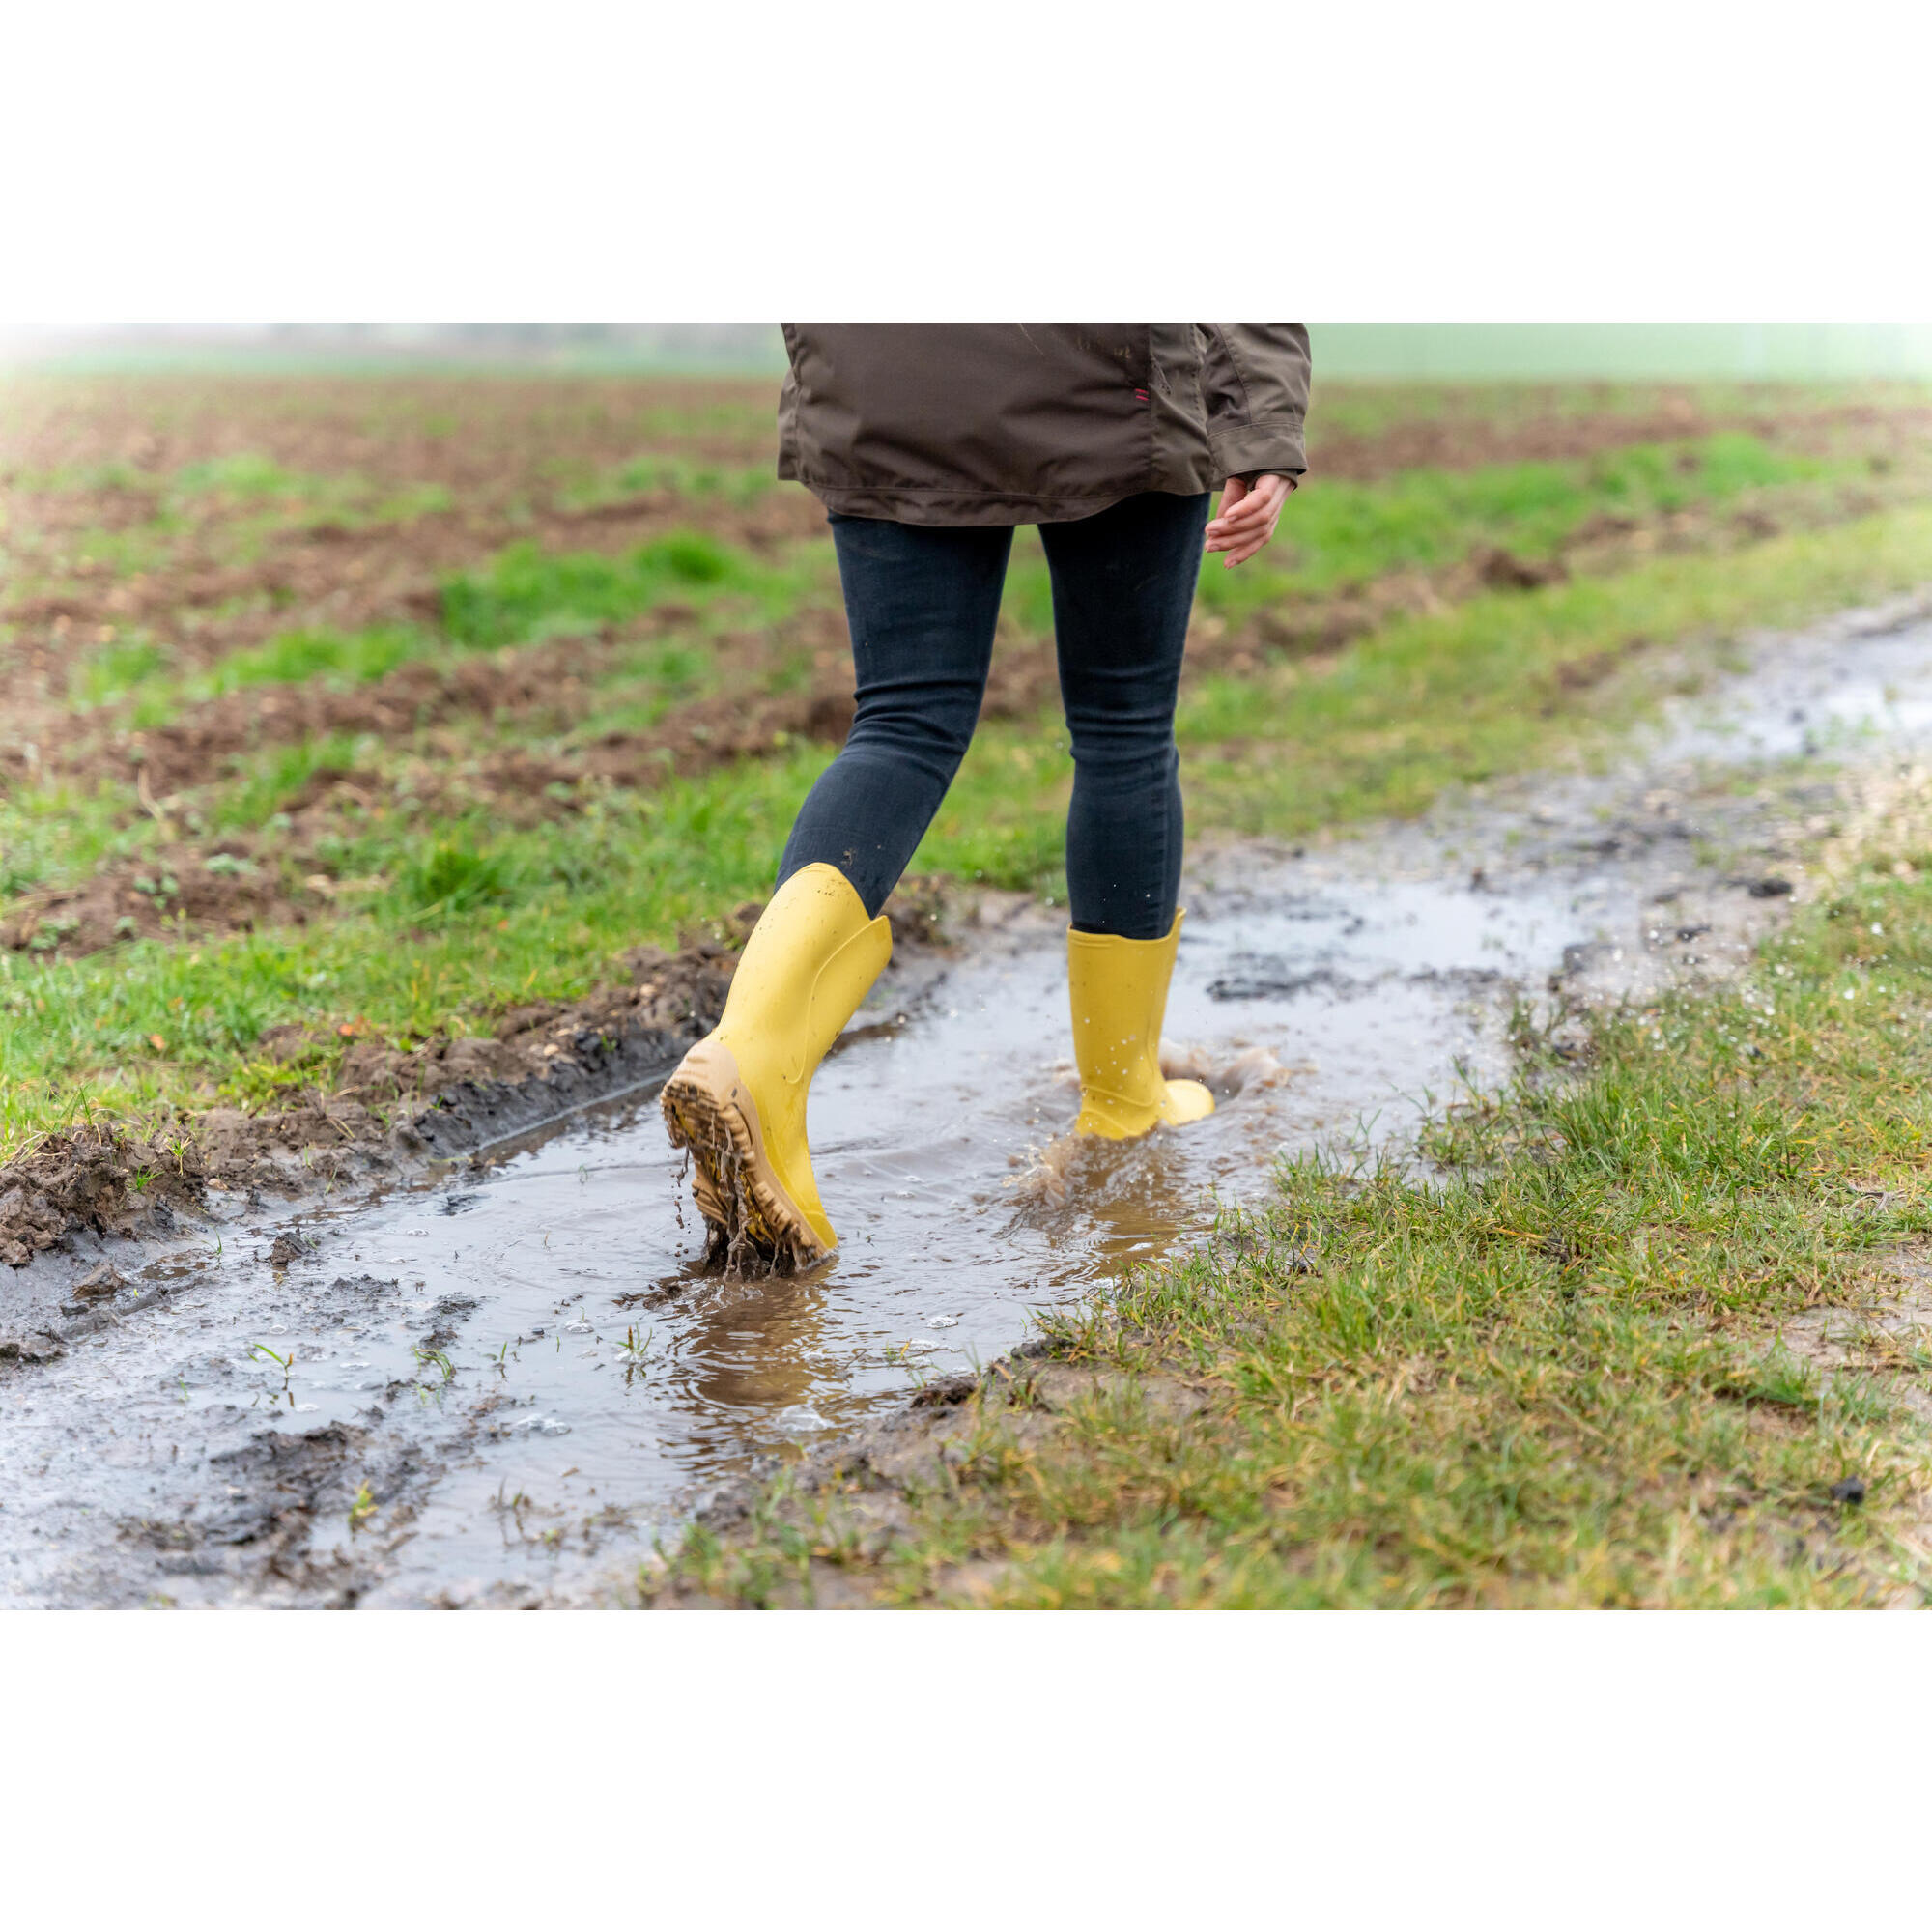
x=947 y=1390
x=98 y=1179
x=19 y=1346
x=102 y=1281
x=366 y=1284
x=1499 y=569
x=282 y=1479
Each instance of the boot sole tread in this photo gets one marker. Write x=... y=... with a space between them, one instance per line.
x=732 y=1180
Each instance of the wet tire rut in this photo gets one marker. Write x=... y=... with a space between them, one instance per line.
x=502 y=1382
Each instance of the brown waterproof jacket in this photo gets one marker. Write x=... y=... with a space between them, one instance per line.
x=1035 y=422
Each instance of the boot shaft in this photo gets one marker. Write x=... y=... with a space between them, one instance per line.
x=812 y=958
x=1117 y=992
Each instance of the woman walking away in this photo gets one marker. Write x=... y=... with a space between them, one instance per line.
x=927 y=444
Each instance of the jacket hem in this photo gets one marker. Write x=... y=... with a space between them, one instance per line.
x=966 y=509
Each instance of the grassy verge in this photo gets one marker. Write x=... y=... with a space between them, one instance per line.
x=458 y=918
x=1561 y=1371
x=1508 y=682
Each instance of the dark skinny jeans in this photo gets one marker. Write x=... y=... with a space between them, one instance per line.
x=921 y=604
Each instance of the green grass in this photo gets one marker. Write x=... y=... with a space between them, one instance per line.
x=1342 y=532
x=51 y=834
x=266 y=780
x=740 y=485
x=248 y=476
x=1551 y=1375
x=528 y=593
x=44 y=561
x=463 y=919
x=444 y=878
x=1593 y=356
x=1343 y=408
x=1549 y=1372
x=524 y=596
x=110 y=671
x=1336 y=536
x=294 y=657
x=336 y=658
x=250 y=482
x=226 y=512
x=245 y=484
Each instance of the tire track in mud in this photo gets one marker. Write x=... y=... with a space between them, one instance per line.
x=457 y=1487
x=370 y=1111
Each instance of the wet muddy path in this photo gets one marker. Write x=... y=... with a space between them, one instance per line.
x=501 y=1387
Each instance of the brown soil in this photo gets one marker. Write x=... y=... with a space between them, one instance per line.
x=200 y=611
x=541 y=688
x=506 y=442
x=490 y=437
x=171 y=894
x=546 y=688
x=98 y=1179
x=367 y=1107
x=511 y=454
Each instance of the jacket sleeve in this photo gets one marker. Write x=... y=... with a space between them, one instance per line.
x=1254 y=381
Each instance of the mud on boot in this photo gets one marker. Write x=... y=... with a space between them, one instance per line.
x=738 y=1099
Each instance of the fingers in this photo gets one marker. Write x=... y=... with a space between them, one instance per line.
x=1242 y=523
x=1225 y=532
x=1246 y=551
x=1254 y=510
x=1242 y=544
x=1242 y=549
x=1233 y=492
x=1247 y=520
x=1243 y=509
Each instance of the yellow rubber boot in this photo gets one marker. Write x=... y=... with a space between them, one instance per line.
x=737 y=1101
x=1118 y=990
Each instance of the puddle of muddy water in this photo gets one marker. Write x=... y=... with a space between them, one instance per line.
x=534 y=1376
x=502 y=1387
x=1828 y=691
